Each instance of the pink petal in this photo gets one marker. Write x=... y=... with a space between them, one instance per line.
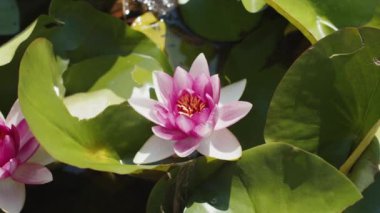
x=215 y=85
x=168 y=134
x=184 y=123
x=31 y=173
x=203 y=130
x=12 y=195
x=145 y=107
x=182 y=80
x=24 y=132
x=10 y=166
x=15 y=115
x=199 y=66
x=232 y=92
x=221 y=145
x=200 y=83
x=186 y=146
x=8 y=149
x=163 y=85
x=201 y=117
x=154 y=149
x=28 y=150
x=231 y=113
x=41 y=157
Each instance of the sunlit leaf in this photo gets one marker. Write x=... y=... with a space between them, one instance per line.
x=107 y=142
x=317 y=19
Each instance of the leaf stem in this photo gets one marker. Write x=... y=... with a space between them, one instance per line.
x=346 y=167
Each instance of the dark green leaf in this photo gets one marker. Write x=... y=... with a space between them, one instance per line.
x=268 y=178
x=328 y=100
x=218 y=20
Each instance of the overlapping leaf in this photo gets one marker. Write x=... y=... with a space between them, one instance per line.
x=268 y=178
x=217 y=20
x=328 y=100
x=316 y=19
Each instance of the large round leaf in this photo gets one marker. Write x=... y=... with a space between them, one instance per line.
x=216 y=20
x=106 y=142
x=329 y=98
x=268 y=178
x=316 y=18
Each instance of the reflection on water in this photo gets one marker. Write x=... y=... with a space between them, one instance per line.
x=160 y=7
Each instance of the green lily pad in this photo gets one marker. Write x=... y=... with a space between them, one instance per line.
x=78 y=32
x=328 y=100
x=280 y=174
x=120 y=74
x=317 y=19
x=216 y=20
x=106 y=142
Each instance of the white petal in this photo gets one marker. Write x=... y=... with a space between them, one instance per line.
x=89 y=105
x=154 y=149
x=12 y=195
x=199 y=66
x=2 y=119
x=221 y=145
x=232 y=92
x=15 y=115
x=41 y=157
x=145 y=107
x=231 y=113
x=141 y=92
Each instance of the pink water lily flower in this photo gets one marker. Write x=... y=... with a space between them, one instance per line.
x=21 y=160
x=191 y=114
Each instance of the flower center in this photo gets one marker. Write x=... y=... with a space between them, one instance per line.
x=190 y=104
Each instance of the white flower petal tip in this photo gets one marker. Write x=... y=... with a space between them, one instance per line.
x=2 y=119
x=199 y=66
x=12 y=196
x=41 y=157
x=141 y=92
x=154 y=149
x=232 y=113
x=232 y=92
x=221 y=145
x=15 y=115
x=31 y=173
x=145 y=108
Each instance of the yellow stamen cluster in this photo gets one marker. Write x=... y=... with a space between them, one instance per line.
x=190 y=104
